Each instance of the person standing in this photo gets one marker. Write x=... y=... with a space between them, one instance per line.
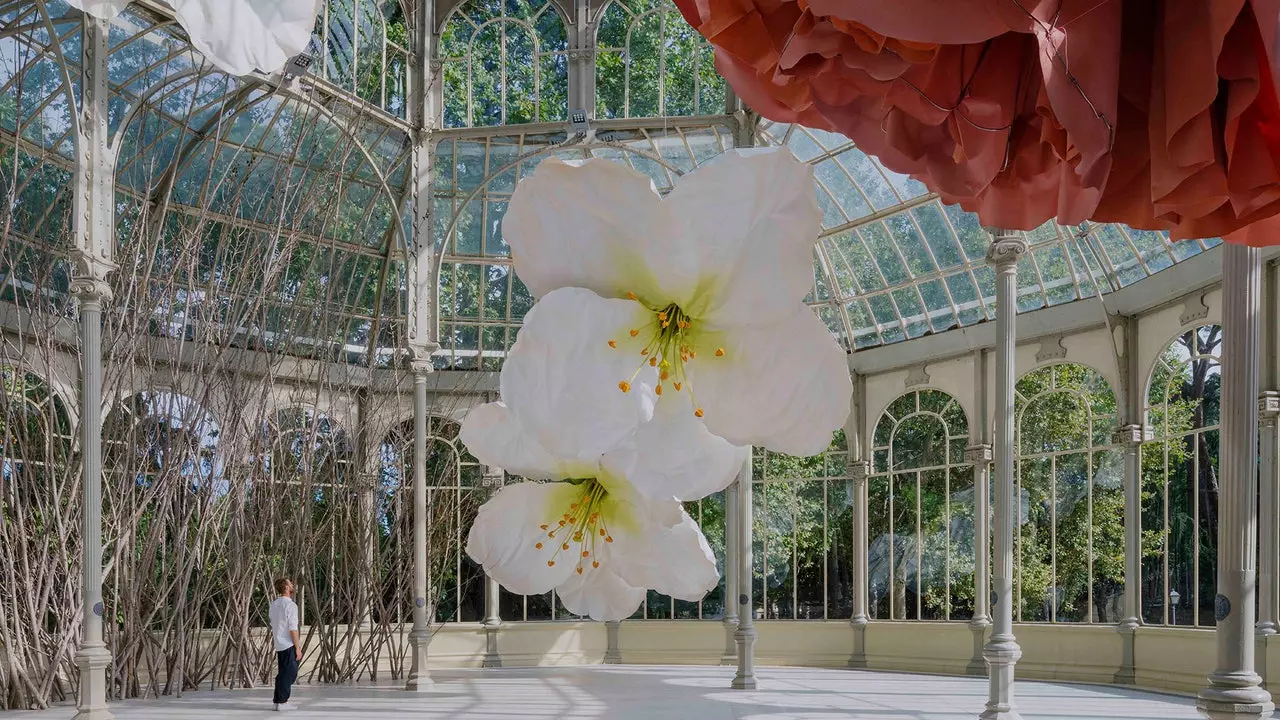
x=284 y=631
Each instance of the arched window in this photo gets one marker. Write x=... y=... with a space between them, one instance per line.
x=454 y=494
x=310 y=500
x=366 y=50
x=504 y=64
x=35 y=432
x=1069 y=551
x=1180 y=481
x=155 y=437
x=651 y=63
x=803 y=530
x=920 y=500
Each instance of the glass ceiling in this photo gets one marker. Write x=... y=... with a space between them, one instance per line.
x=283 y=217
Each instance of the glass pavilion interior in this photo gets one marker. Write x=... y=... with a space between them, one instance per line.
x=295 y=271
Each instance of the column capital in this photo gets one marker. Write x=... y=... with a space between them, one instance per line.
x=1133 y=434
x=1007 y=247
x=980 y=453
x=859 y=470
x=421 y=367
x=89 y=281
x=1269 y=405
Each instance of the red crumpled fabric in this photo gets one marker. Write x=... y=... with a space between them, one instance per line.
x=1160 y=114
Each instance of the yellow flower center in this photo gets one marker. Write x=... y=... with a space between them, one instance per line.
x=575 y=533
x=668 y=345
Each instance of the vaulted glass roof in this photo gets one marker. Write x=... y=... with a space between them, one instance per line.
x=896 y=263
x=281 y=217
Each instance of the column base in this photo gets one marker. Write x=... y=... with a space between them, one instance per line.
x=612 y=653
x=977 y=666
x=1001 y=654
x=92 y=661
x=1235 y=696
x=1126 y=674
x=730 y=656
x=419 y=679
x=858 y=660
x=492 y=658
x=746 y=677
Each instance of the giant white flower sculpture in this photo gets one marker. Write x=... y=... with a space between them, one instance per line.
x=697 y=295
x=238 y=36
x=605 y=530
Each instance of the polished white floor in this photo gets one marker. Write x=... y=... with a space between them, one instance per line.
x=622 y=692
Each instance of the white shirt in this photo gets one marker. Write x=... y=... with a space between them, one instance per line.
x=284 y=618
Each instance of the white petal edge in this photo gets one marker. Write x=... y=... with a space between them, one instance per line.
x=505 y=532
x=600 y=594
x=581 y=224
x=785 y=386
x=240 y=36
x=733 y=243
x=101 y=9
x=561 y=377
x=674 y=561
x=494 y=436
x=673 y=455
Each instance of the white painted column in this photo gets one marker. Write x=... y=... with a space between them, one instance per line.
x=1234 y=690
x=859 y=470
x=582 y=62
x=1132 y=437
x=93 y=224
x=492 y=481
x=1269 y=518
x=612 y=651
x=731 y=541
x=746 y=632
x=1002 y=651
x=1269 y=473
x=92 y=657
x=979 y=455
x=420 y=637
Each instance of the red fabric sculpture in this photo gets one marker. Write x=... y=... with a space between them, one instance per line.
x=1161 y=114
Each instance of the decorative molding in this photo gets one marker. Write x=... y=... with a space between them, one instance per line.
x=1007 y=247
x=1051 y=349
x=435 y=66
x=918 y=375
x=975 y=454
x=492 y=480
x=588 y=53
x=859 y=470
x=1132 y=435
x=1269 y=405
x=1194 y=309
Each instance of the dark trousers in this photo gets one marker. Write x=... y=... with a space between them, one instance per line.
x=287 y=661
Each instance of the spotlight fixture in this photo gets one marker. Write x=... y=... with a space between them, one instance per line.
x=297 y=66
x=579 y=125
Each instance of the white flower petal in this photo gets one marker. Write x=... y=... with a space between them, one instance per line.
x=581 y=224
x=673 y=455
x=561 y=377
x=504 y=537
x=733 y=243
x=784 y=386
x=102 y=9
x=240 y=36
x=492 y=434
x=675 y=561
x=600 y=594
